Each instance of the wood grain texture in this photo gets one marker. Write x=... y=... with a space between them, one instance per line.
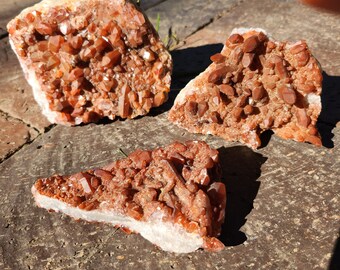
x=184 y=17
x=290 y=217
x=14 y=134
x=283 y=199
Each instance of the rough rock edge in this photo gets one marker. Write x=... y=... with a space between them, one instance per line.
x=154 y=230
x=38 y=94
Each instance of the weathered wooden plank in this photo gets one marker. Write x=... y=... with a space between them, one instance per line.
x=184 y=17
x=292 y=182
x=294 y=223
x=146 y=4
x=14 y=134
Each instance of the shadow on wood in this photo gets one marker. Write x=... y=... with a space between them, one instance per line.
x=241 y=167
x=335 y=260
x=265 y=138
x=188 y=63
x=330 y=112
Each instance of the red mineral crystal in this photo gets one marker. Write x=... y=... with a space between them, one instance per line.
x=107 y=45
x=253 y=85
x=171 y=195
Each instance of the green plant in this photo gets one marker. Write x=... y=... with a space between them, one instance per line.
x=171 y=39
x=158 y=22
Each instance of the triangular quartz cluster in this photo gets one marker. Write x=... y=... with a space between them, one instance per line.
x=172 y=196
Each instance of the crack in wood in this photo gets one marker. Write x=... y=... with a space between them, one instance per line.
x=213 y=19
x=28 y=140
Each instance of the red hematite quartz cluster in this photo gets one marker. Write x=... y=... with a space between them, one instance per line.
x=89 y=59
x=253 y=85
x=171 y=195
